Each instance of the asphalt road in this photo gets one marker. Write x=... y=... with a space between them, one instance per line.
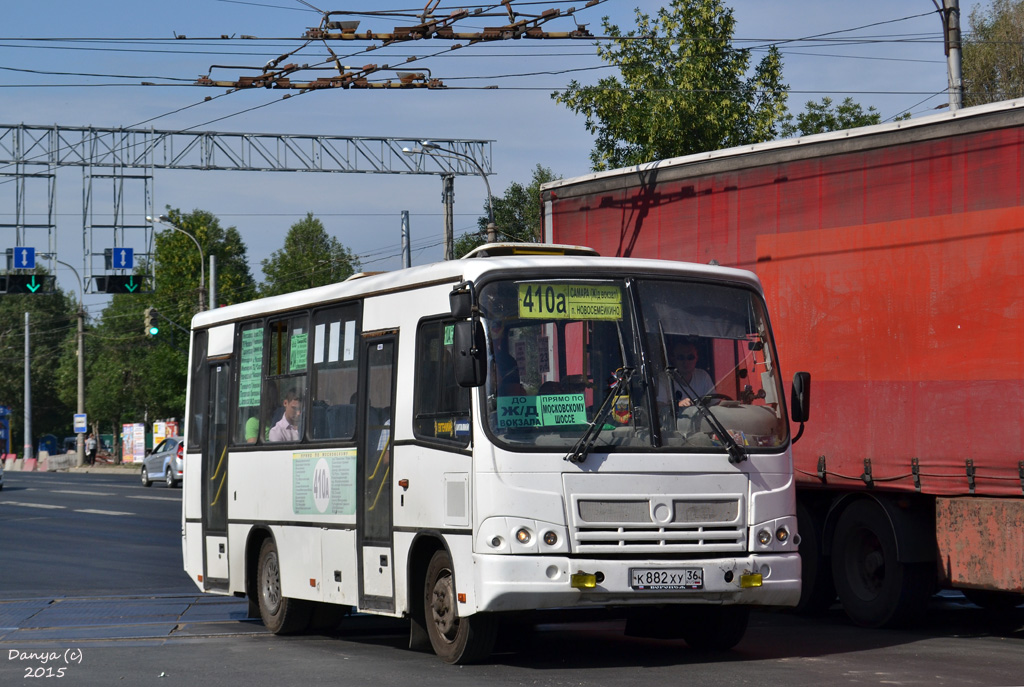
x=91 y=583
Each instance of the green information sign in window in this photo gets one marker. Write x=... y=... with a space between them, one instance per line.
x=297 y=355
x=251 y=364
x=541 y=411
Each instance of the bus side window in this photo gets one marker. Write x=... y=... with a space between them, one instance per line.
x=199 y=386
x=335 y=372
x=440 y=406
x=287 y=358
x=251 y=413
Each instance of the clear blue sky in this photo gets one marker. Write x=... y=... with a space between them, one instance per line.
x=894 y=62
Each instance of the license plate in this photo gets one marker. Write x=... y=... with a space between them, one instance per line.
x=666 y=578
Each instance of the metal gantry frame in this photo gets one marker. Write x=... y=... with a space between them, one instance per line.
x=126 y=159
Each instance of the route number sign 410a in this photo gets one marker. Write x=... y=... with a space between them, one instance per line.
x=570 y=301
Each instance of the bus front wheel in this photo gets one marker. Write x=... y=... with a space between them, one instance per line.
x=281 y=615
x=455 y=639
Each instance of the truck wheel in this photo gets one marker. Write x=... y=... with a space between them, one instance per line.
x=715 y=628
x=454 y=639
x=993 y=600
x=281 y=615
x=875 y=589
x=817 y=591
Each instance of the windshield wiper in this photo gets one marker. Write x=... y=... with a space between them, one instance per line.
x=586 y=442
x=736 y=454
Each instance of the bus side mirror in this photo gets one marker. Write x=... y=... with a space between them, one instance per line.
x=461 y=301
x=470 y=349
x=800 y=401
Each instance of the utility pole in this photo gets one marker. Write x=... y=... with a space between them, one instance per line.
x=406 y=247
x=213 y=282
x=954 y=60
x=448 y=198
x=28 y=399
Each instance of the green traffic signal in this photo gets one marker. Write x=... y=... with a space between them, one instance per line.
x=152 y=328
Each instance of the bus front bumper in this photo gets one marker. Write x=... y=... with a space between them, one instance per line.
x=518 y=583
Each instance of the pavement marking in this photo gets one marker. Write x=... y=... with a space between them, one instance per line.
x=102 y=512
x=82 y=493
x=32 y=505
x=156 y=498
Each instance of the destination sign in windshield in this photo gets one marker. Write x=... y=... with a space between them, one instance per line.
x=570 y=301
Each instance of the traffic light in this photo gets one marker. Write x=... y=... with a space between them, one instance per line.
x=152 y=328
x=28 y=283
x=119 y=283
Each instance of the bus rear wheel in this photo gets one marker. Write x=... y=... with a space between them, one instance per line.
x=280 y=614
x=455 y=639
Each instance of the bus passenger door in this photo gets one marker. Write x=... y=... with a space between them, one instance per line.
x=377 y=400
x=214 y=479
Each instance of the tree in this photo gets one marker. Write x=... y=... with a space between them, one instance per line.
x=517 y=214
x=821 y=117
x=132 y=376
x=993 y=53
x=178 y=270
x=309 y=258
x=51 y=339
x=684 y=88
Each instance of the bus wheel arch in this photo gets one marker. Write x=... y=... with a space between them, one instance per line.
x=456 y=639
x=423 y=548
x=280 y=614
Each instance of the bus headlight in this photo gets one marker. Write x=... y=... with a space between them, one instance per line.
x=505 y=535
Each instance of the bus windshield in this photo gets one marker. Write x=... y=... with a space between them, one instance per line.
x=683 y=361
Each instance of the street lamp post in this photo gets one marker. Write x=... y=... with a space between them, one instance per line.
x=80 y=441
x=428 y=148
x=164 y=219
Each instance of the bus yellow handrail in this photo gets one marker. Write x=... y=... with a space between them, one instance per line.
x=380 y=489
x=220 y=463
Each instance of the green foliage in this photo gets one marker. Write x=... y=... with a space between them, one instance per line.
x=130 y=376
x=133 y=376
x=993 y=53
x=310 y=257
x=52 y=329
x=178 y=270
x=821 y=117
x=684 y=88
x=518 y=213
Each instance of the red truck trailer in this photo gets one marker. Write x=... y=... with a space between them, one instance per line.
x=892 y=257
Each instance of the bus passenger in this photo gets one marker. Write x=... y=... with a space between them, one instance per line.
x=287 y=429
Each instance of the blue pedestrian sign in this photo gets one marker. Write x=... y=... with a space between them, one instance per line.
x=24 y=258
x=123 y=258
x=81 y=426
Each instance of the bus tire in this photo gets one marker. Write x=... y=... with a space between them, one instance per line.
x=715 y=628
x=875 y=589
x=456 y=640
x=280 y=614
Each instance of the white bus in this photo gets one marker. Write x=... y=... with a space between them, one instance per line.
x=476 y=439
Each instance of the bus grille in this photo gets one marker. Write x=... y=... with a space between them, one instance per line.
x=665 y=526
